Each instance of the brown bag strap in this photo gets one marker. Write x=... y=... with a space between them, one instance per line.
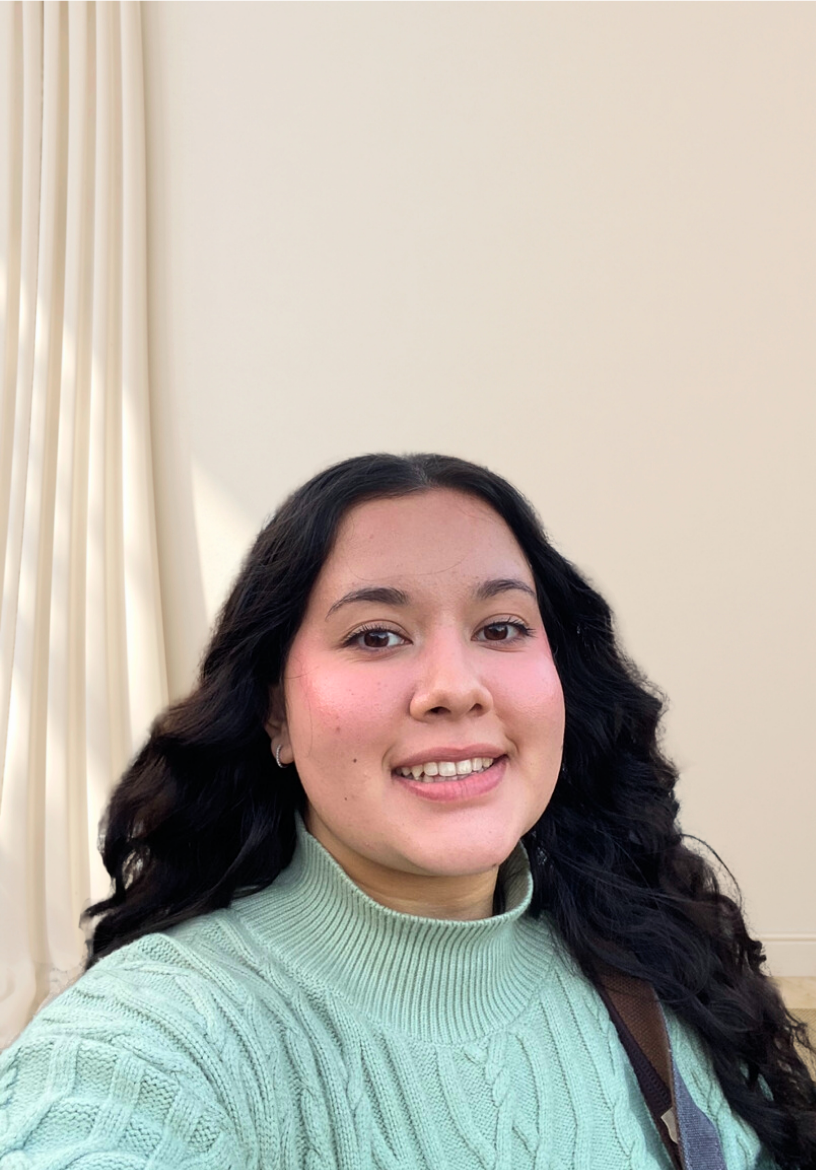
x=635 y=1012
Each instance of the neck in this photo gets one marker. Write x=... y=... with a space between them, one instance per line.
x=462 y=897
x=406 y=971
x=435 y=897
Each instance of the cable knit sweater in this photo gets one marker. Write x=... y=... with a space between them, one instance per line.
x=307 y=1028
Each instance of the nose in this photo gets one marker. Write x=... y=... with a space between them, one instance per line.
x=448 y=682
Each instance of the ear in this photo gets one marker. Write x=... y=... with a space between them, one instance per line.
x=276 y=726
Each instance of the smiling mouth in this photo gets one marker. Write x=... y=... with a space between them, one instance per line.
x=435 y=771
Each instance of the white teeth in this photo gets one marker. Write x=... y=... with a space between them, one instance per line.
x=446 y=768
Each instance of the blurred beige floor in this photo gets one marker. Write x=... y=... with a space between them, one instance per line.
x=799 y=995
x=798 y=992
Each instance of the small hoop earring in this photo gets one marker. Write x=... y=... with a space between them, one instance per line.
x=277 y=757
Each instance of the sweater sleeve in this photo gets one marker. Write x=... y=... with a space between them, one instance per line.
x=114 y=1075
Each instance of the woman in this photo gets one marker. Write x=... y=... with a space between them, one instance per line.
x=366 y=873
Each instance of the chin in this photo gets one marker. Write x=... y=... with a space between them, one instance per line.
x=468 y=859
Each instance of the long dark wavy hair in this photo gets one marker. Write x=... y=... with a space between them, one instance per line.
x=202 y=816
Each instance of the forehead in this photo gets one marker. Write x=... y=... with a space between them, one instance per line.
x=426 y=537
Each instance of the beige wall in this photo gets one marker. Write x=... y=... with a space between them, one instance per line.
x=572 y=241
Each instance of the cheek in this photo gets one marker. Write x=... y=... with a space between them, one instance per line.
x=327 y=709
x=534 y=693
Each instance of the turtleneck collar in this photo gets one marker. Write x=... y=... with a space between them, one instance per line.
x=439 y=979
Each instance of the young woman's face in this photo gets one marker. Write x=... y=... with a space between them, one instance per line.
x=422 y=643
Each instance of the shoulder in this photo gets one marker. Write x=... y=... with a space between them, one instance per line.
x=161 y=982
x=116 y=1071
x=158 y=1036
x=185 y=995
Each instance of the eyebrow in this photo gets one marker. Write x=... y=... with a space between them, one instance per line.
x=385 y=595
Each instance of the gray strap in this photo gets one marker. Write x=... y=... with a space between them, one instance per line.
x=699 y=1141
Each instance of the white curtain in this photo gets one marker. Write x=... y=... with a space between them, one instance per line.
x=81 y=643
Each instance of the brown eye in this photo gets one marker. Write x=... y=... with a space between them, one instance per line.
x=509 y=631
x=497 y=632
x=376 y=639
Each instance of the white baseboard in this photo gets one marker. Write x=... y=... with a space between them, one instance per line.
x=790 y=954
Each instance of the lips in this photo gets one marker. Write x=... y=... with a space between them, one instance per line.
x=456 y=789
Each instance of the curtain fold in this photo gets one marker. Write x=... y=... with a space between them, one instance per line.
x=82 y=660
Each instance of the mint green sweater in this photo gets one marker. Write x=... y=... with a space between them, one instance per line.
x=307 y=1027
